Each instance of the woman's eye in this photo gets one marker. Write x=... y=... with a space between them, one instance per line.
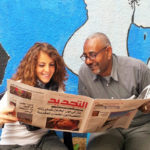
x=52 y=65
x=41 y=65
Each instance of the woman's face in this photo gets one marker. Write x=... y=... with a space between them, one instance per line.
x=45 y=67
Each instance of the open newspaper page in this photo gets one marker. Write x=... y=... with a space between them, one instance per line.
x=112 y=113
x=72 y=113
x=48 y=109
x=115 y=113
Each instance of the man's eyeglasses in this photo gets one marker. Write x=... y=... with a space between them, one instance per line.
x=92 y=55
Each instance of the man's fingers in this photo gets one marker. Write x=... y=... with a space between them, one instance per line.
x=145 y=108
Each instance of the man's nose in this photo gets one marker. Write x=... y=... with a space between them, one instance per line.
x=88 y=61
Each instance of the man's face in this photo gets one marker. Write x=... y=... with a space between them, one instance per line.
x=98 y=56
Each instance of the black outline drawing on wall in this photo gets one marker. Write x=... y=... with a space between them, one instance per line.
x=3 y=62
x=115 y=23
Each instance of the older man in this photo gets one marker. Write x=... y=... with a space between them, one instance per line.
x=105 y=75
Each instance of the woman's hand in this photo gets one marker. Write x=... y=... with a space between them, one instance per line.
x=7 y=115
x=145 y=108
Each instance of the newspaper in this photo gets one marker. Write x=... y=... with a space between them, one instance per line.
x=72 y=113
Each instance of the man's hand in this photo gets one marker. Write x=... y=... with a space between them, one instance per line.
x=7 y=115
x=145 y=108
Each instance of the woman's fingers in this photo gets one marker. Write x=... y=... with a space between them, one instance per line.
x=5 y=118
x=7 y=115
x=8 y=109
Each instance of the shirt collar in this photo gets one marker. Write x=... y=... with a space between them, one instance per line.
x=114 y=72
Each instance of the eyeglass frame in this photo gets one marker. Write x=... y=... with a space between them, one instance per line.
x=85 y=57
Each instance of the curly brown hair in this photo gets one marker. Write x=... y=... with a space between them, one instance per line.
x=26 y=71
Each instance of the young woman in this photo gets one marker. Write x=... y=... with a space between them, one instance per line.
x=44 y=68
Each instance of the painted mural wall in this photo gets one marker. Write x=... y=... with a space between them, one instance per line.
x=65 y=24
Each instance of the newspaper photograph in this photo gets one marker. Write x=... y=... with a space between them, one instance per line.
x=72 y=113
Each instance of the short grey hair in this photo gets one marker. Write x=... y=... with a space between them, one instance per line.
x=101 y=36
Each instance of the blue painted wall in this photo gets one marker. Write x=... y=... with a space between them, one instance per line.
x=22 y=23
